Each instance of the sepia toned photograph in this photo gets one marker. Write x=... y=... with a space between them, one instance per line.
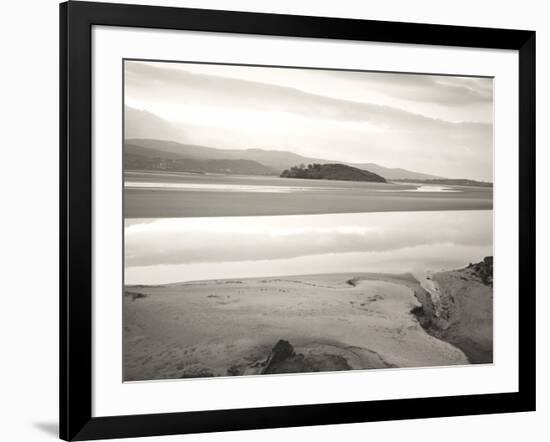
x=282 y=220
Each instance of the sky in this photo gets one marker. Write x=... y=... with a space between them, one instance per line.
x=439 y=125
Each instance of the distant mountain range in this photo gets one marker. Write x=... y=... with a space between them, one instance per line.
x=143 y=158
x=155 y=154
x=394 y=173
x=143 y=124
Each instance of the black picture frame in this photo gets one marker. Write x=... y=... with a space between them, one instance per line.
x=76 y=21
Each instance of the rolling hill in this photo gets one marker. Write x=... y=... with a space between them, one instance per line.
x=141 y=158
x=395 y=173
x=143 y=124
x=273 y=159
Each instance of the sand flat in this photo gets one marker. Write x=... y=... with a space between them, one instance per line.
x=172 y=195
x=228 y=327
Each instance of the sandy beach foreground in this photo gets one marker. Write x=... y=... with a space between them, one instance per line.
x=306 y=323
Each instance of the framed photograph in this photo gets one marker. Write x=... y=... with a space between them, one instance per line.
x=274 y=220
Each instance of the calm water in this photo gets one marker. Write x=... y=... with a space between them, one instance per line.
x=165 y=250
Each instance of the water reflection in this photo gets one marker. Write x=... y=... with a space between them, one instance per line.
x=169 y=250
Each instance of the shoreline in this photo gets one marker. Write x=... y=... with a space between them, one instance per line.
x=266 y=196
x=307 y=323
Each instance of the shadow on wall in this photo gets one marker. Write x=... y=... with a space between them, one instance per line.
x=49 y=428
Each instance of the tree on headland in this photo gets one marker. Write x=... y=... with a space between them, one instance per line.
x=331 y=172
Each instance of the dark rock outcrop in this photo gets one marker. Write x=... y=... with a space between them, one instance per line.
x=284 y=359
x=282 y=352
x=482 y=270
x=135 y=295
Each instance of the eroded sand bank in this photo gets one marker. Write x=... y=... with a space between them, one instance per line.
x=459 y=309
x=228 y=327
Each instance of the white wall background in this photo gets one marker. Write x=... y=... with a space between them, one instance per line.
x=28 y=227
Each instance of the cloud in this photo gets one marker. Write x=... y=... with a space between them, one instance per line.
x=365 y=117
x=160 y=83
x=445 y=90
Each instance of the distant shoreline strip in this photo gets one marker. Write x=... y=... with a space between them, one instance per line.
x=202 y=187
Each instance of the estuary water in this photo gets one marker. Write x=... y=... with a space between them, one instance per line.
x=176 y=195
x=169 y=250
